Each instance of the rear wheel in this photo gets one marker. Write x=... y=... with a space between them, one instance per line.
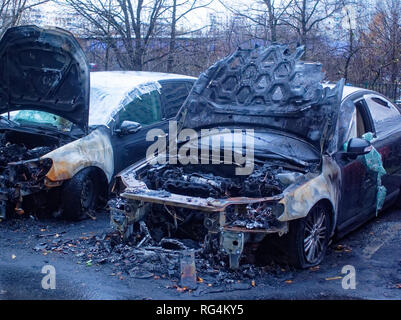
x=80 y=194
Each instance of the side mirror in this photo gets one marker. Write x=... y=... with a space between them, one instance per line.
x=358 y=147
x=128 y=127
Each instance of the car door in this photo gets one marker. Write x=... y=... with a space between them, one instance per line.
x=146 y=110
x=356 y=183
x=152 y=110
x=387 y=122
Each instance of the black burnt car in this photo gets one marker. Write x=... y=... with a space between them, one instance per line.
x=326 y=159
x=65 y=132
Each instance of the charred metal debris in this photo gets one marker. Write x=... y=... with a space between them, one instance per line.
x=23 y=171
x=259 y=88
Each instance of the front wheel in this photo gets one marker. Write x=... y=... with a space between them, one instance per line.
x=315 y=236
x=306 y=242
x=80 y=194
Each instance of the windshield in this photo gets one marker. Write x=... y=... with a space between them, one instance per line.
x=266 y=145
x=41 y=119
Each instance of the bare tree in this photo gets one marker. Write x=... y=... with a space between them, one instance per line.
x=382 y=52
x=305 y=15
x=11 y=12
x=126 y=26
x=268 y=14
x=354 y=17
x=179 y=11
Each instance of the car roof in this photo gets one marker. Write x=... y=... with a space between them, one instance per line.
x=348 y=90
x=111 y=90
x=130 y=78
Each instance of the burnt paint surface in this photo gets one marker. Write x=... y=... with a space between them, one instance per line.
x=94 y=149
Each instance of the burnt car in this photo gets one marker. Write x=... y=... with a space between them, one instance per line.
x=64 y=131
x=326 y=158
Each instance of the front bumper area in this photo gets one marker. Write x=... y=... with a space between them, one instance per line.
x=235 y=220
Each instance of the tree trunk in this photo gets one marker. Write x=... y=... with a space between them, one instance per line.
x=170 y=59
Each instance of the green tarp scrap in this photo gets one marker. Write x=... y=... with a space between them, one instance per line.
x=373 y=161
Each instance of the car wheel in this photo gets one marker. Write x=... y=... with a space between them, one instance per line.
x=308 y=238
x=80 y=194
x=397 y=203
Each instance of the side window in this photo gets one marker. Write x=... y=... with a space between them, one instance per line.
x=384 y=114
x=174 y=95
x=145 y=109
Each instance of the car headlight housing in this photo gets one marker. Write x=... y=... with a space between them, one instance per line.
x=32 y=171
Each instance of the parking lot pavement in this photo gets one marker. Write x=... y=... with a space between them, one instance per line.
x=373 y=252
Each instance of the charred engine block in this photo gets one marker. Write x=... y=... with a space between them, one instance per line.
x=209 y=181
x=21 y=171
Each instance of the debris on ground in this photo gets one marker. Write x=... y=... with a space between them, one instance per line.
x=189 y=267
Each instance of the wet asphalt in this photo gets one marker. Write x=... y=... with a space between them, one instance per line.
x=374 y=251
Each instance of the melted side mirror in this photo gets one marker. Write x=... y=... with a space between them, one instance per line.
x=358 y=147
x=128 y=127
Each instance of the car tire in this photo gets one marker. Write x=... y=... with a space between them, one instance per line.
x=80 y=194
x=305 y=244
x=397 y=203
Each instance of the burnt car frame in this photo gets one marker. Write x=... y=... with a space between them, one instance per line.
x=327 y=159
x=65 y=132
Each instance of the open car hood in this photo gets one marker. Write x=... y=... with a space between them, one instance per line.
x=46 y=70
x=265 y=87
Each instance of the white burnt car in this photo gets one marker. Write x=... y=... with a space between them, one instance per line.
x=323 y=159
x=64 y=132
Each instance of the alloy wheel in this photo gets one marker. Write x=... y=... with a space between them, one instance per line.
x=315 y=235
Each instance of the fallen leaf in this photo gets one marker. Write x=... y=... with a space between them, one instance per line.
x=334 y=278
x=343 y=248
x=200 y=280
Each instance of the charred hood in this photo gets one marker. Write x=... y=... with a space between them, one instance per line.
x=46 y=70
x=265 y=87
